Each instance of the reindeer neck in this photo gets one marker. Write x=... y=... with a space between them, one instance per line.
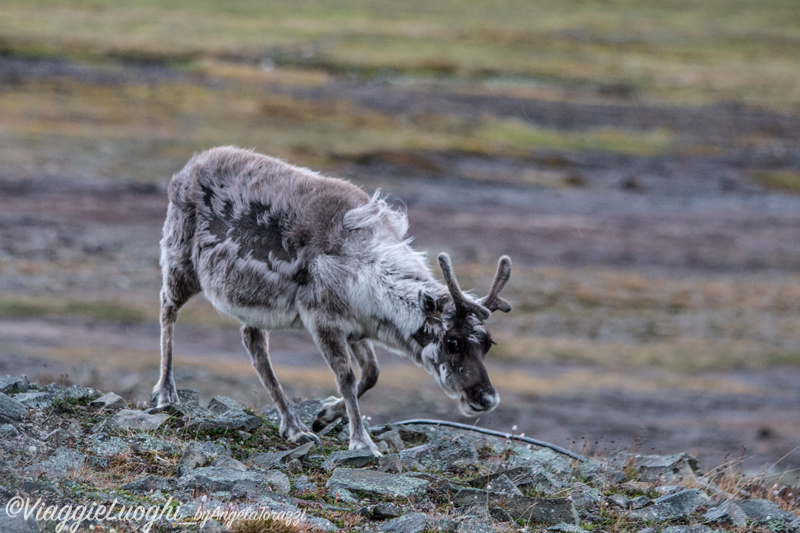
x=403 y=324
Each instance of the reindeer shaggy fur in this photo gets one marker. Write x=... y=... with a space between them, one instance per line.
x=277 y=246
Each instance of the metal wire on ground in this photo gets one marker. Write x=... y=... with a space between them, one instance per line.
x=510 y=436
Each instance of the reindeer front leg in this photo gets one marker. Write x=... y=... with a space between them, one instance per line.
x=333 y=345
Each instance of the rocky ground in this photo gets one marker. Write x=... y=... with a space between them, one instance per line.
x=75 y=459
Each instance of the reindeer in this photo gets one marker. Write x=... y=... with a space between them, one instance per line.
x=276 y=246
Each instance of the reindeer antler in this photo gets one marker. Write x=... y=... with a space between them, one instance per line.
x=463 y=304
x=493 y=301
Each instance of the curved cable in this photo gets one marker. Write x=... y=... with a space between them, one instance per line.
x=495 y=434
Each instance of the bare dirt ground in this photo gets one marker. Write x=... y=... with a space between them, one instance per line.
x=676 y=217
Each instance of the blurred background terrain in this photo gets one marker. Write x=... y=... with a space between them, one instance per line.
x=639 y=161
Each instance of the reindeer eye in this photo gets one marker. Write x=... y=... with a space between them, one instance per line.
x=453 y=346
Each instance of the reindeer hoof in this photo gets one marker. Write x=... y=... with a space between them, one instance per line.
x=332 y=410
x=303 y=438
x=318 y=424
x=164 y=396
x=366 y=446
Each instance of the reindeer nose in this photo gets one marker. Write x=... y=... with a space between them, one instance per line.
x=489 y=400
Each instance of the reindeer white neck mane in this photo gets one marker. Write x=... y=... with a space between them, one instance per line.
x=382 y=275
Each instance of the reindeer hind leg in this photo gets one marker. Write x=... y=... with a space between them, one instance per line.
x=179 y=283
x=292 y=428
x=175 y=293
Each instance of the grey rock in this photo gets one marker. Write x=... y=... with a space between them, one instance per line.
x=8 y=431
x=198 y=454
x=144 y=443
x=62 y=462
x=18 y=524
x=727 y=514
x=516 y=475
x=585 y=499
x=36 y=399
x=795 y=525
x=618 y=500
x=138 y=420
x=6 y=493
x=341 y=495
x=443 y=525
x=662 y=469
x=185 y=413
x=545 y=510
x=591 y=470
x=503 y=485
x=673 y=506
x=11 y=409
x=470 y=496
x=354 y=458
x=219 y=405
x=230 y=421
x=669 y=489
x=382 y=511
x=64 y=436
x=75 y=393
x=499 y=514
x=474 y=525
x=212 y=479
x=151 y=483
x=412 y=435
x=767 y=514
x=390 y=463
x=566 y=528
x=392 y=439
x=109 y=402
x=39 y=485
x=211 y=526
x=638 y=502
x=14 y=384
x=294 y=466
x=304 y=484
x=532 y=478
x=278 y=481
x=228 y=462
x=267 y=460
x=106 y=446
x=371 y=482
x=188 y=396
x=410 y=523
x=687 y=529
x=441 y=454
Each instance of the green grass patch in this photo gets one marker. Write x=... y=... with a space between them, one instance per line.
x=778 y=180
x=17 y=306
x=511 y=136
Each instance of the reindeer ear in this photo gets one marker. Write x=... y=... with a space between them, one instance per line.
x=427 y=302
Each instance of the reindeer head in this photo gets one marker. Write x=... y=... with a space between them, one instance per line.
x=457 y=340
